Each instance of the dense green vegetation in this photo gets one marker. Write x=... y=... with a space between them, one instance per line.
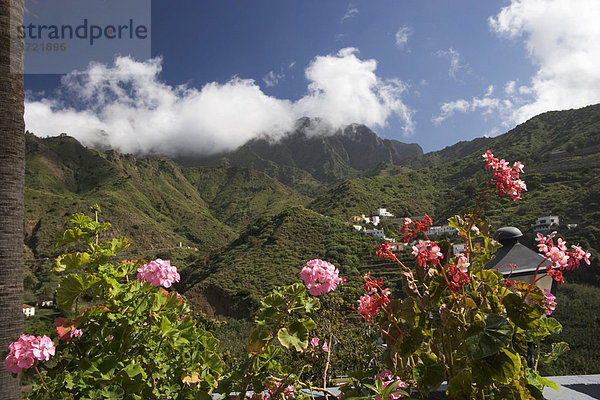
x=577 y=311
x=271 y=253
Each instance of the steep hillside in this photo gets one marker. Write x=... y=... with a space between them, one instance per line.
x=271 y=253
x=560 y=151
x=237 y=195
x=407 y=194
x=153 y=201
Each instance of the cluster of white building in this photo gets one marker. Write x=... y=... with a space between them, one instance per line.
x=542 y=224
x=441 y=230
x=374 y=219
x=29 y=311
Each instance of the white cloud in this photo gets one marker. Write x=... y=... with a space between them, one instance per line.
x=402 y=36
x=271 y=79
x=126 y=106
x=487 y=104
x=562 y=38
x=344 y=79
x=456 y=64
x=352 y=12
x=509 y=88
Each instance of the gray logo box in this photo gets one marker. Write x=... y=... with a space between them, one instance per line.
x=59 y=36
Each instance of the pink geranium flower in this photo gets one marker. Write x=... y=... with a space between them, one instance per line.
x=320 y=277
x=23 y=353
x=158 y=273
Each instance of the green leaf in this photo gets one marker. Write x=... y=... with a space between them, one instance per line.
x=259 y=339
x=411 y=342
x=79 y=219
x=309 y=324
x=459 y=387
x=72 y=286
x=489 y=277
x=116 y=245
x=165 y=325
x=535 y=379
x=391 y=389
x=311 y=304
x=558 y=349
x=456 y=222
x=132 y=370
x=505 y=366
x=429 y=372
x=490 y=339
x=69 y=262
x=295 y=335
x=522 y=314
x=534 y=392
x=72 y=236
x=552 y=325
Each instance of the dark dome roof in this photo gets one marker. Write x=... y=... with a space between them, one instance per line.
x=507 y=233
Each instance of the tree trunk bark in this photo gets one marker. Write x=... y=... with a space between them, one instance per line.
x=12 y=180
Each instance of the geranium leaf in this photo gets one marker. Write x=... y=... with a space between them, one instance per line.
x=484 y=341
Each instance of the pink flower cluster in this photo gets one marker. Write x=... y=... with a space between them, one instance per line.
x=387 y=378
x=560 y=256
x=417 y=226
x=315 y=343
x=507 y=178
x=459 y=273
x=550 y=302
x=427 y=251
x=375 y=298
x=384 y=251
x=158 y=273
x=23 y=353
x=320 y=277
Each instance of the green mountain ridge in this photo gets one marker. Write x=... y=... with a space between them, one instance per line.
x=254 y=228
x=313 y=156
x=153 y=201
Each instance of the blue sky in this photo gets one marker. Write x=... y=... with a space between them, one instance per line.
x=429 y=72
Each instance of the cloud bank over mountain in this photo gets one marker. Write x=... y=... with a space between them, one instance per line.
x=127 y=107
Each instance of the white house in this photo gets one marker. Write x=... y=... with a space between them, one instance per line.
x=47 y=303
x=398 y=246
x=375 y=220
x=357 y=227
x=375 y=232
x=28 y=310
x=546 y=223
x=382 y=212
x=441 y=230
x=458 y=248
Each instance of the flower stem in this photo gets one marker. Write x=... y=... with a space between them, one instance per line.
x=327 y=363
x=41 y=378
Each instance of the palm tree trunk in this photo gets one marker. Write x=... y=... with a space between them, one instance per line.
x=12 y=180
